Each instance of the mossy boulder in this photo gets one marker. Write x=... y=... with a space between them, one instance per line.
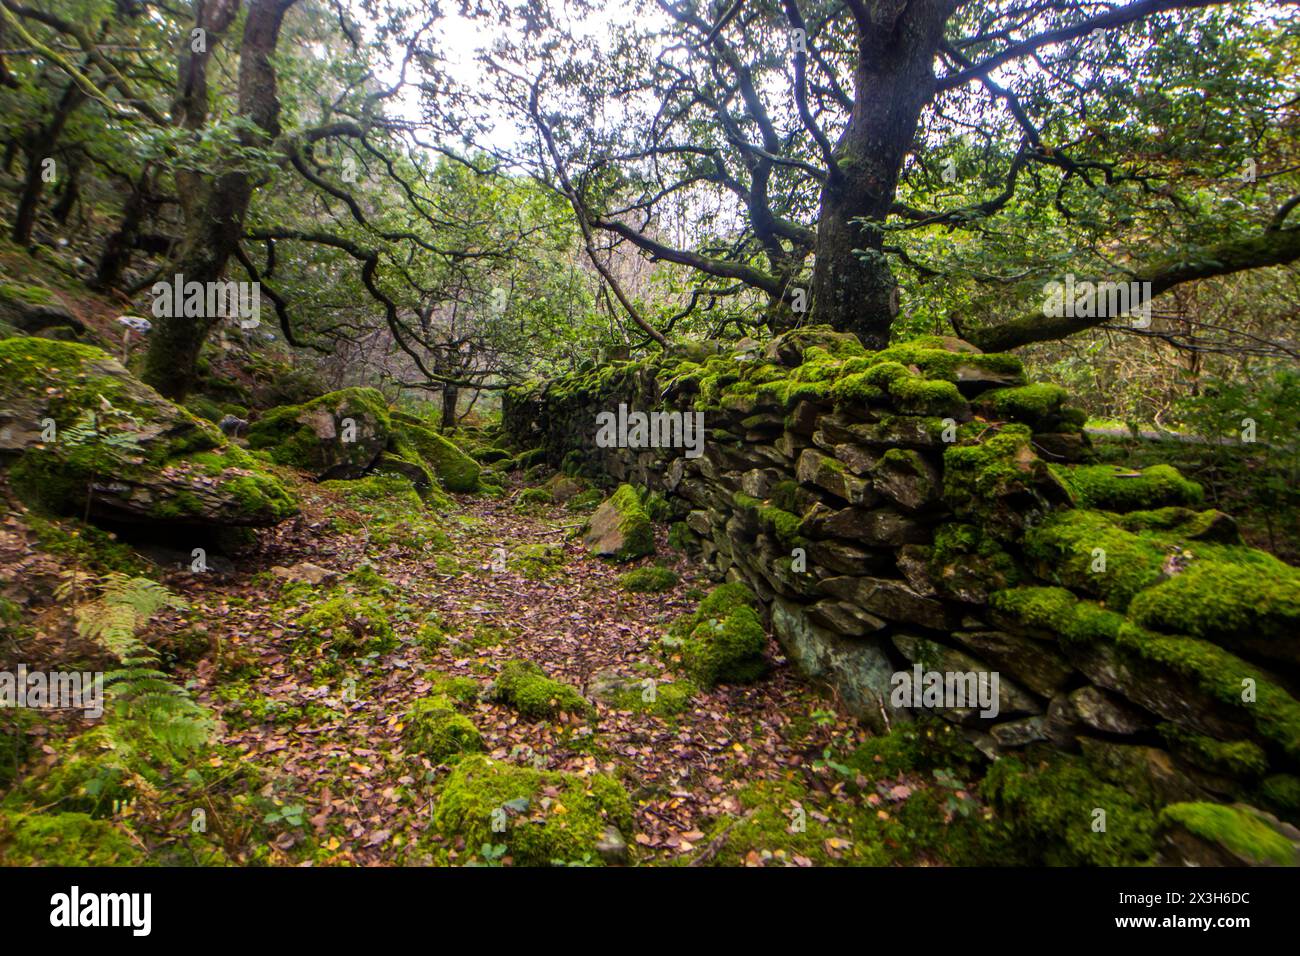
x=435 y=729
x=1114 y=488
x=525 y=687
x=620 y=529
x=723 y=641
x=33 y=310
x=456 y=470
x=74 y=424
x=541 y=818
x=338 y=435
x=1212 y=834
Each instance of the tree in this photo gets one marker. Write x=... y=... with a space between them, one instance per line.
x=818 y=122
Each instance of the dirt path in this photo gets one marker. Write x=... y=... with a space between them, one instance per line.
x=332 y=748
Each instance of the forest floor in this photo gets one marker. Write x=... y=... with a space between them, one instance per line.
x=310 y=739
x=336 y=748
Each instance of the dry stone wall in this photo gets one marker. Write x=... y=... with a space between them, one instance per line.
x=925 y=511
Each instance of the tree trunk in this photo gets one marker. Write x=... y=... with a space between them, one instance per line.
x=215 y=213
x=118 y=247
x=450 y=398
x=38 y=147
x=853 y=286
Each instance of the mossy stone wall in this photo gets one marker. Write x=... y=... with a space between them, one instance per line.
x=926 y=504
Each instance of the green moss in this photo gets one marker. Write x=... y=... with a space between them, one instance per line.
x=65 y=839
x=923 y=745
x=1037 y=405
x=765 y=832
x=538 y=561
x=667 y=699
x=1237 y=758
x=1235 y=828
x=1089 y=551
x=351 y=623
x=456 y=470
x=26 y=294
x=681 y=537
x=541 y=818
x=1281 y=792
x=1224 y=602
x=782 y=523
x=981 y=480
x=435 y=729
x=1051 y=807
x=1114 y=488
x=525 y=687
x=723 y=641
x=649 y=580
x=1060 y=612
x=533 y=499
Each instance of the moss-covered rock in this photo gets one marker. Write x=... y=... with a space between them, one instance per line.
x=435 y=729
x=338 y=435
x=80 y=427
x=723 y=641
x=1113 y=488
x=351 y=623
x=620 y=529
x=525 y=687
x=649 y=580
x=456 y=470
x=1255 y=606
x=1215 y=834
x=541 y=818
x=65 y=839
x=1062 y=808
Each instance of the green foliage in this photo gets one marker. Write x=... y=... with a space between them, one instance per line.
x=145 y=703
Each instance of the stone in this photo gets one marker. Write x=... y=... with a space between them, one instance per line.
x=914 y=562
x=336 y=436
x=840 y=557
x=612 y=848
x=933 y=656
x=1102 y=712
x=1037 y=665
x=1156 y=690
x=907 y=478
x=1018 y=733
x=891 y=599
x=304 y=572
x=845 y=618
x=882 y=527
x=79 y=430
x=759 y=482
x=859 y=670
x=619 y=528
x=562 y=488
x=825 y=472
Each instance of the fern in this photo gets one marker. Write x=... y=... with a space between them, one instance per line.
x=143 y=700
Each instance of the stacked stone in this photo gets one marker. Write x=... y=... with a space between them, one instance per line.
x=925 y=506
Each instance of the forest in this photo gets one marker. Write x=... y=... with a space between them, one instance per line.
x=683 y=433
